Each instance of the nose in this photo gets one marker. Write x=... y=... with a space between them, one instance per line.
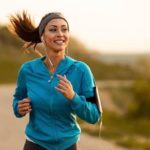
x=60 y=33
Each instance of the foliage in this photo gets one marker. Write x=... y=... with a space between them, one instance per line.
x=130 y=133
x=143 y=65
x=8 y=39
x=141 y=92
x=12 y=53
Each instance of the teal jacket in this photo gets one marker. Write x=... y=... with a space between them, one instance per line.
x=52 y=121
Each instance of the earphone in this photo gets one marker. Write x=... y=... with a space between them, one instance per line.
x=51 y=64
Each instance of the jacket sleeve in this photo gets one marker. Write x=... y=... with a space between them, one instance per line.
x=87 y=111
x=20 y=91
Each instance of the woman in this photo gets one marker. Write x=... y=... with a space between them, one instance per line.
x=53 y=89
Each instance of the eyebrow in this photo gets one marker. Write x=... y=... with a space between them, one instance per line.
x=56 y=26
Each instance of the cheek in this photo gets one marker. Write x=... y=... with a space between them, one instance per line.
x=67 y=38
x=50 y=39
x=49 y=36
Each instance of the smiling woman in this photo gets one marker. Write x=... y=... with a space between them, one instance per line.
x=53 y=89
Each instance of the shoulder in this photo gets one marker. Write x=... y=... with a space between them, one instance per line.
x=80 y=65
x=30 y=64
x=83 y=67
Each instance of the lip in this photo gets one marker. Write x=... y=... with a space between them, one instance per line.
x=59 y=41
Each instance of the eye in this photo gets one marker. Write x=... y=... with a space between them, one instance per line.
x=52 y=30
x=64 y=29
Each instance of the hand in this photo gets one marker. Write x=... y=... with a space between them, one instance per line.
x=24 y=106
x=65 y=87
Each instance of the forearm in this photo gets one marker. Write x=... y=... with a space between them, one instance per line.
x=85 y=110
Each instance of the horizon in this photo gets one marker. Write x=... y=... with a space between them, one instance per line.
x=110 y=26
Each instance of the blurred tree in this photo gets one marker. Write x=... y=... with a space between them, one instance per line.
x=8 y=39
x=12 y=56
x=141 y=104
x=143 y=65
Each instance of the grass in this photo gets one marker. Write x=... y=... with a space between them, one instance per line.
x=120 y=128
x=121 y=97
x=10 y=62
x=133 y=142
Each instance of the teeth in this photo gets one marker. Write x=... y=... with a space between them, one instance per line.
x=59 y=42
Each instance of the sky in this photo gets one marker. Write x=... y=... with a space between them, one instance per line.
x=109 y=26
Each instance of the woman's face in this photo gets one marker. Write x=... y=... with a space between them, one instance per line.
x=56 y=35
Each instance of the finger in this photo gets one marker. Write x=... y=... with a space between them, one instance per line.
x=28 y=111
x=61 y=86
x=63 y=78
x=24 y=105
x=26 y=100
x=63 y=83
x=24 y=109
x=24 y=112
x=66 y=79
x=60 y=90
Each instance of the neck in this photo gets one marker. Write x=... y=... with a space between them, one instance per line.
x=52 y=60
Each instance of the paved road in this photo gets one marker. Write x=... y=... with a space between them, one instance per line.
x=12 y=129
x=93 y=143
x=114 y=83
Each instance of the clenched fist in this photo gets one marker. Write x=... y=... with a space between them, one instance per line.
x=24 y=106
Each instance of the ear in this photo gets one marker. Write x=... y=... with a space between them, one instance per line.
x=42 y=39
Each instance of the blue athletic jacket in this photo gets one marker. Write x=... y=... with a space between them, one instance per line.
x=52 y=121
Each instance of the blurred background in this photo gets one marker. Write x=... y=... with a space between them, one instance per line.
x=112 y=37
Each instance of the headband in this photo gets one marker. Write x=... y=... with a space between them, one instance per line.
x=49 y=17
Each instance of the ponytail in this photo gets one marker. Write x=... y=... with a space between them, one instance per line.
x=23 y=27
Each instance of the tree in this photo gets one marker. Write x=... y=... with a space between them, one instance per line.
x=141 y=104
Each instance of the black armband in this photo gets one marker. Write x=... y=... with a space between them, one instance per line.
x=95 y=99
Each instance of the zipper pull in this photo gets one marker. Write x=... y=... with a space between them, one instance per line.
x=50 y=79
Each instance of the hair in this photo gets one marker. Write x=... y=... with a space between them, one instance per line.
x=48 y=17
x=24 y=28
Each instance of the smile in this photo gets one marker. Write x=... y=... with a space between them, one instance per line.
x=59 y=41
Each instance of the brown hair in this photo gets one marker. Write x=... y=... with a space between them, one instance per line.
x=22 y=26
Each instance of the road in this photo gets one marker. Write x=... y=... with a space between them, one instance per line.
x=12 y=129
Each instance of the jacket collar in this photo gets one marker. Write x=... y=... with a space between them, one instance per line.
x=63 y=66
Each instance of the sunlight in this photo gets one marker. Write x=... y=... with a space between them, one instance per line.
x=109 y=26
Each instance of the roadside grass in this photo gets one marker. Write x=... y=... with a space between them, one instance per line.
x=10 y=62
x=134 y=143
x=9 y=71
x=129 y=133
x=121 y=97
x=122 y=129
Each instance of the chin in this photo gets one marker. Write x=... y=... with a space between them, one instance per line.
x=59 y=49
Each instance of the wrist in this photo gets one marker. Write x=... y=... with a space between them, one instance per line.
x=72 y=96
